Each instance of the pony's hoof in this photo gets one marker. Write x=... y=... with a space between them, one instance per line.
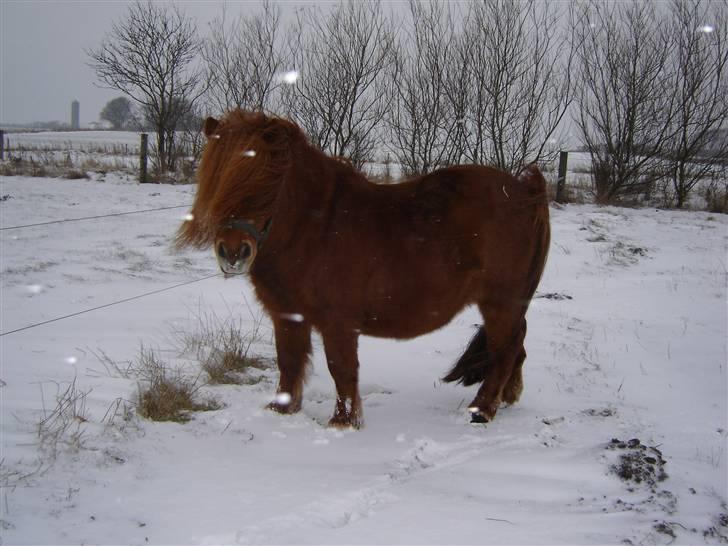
x=278 y=408
x=344 y=423
x=285 y=409
x=285 y=403
x=479 y=415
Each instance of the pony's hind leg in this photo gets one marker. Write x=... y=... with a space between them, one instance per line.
x=343 y=362
x=514 y=387
x=293 y=348
x=506 y=333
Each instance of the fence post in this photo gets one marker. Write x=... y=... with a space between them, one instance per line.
x=2 y=145
x=561 y=180
x=143 y=159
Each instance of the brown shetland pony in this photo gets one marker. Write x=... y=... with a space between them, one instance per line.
x=327 y=249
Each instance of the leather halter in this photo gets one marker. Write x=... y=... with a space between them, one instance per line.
x=250 y=229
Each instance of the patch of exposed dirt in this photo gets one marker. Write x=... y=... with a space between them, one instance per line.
x=638 y=463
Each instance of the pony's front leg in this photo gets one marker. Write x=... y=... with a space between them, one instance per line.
x=341 y=356
x=293 y=346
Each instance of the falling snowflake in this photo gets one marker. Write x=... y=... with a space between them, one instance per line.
x=283 y=398
x=290 y=77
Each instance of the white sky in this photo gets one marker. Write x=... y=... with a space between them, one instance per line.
x=42 y=60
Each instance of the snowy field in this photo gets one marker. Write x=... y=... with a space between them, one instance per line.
x=74 y=139
x=85 y=150
x=626 y=341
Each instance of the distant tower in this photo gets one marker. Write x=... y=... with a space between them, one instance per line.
x=75 y=115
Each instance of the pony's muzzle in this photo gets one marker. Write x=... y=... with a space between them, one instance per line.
x=234 y=260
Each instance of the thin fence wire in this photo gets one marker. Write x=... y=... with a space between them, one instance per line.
x=125 y=300
x=93 y=217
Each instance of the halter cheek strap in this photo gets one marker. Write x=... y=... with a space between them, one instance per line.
x=250 y=229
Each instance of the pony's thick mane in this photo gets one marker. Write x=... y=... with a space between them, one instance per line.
x=242 y=168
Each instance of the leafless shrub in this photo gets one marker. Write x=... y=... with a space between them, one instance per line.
x=488 y=86
x=700 y=68
x=424 y=126
x=243 y=60
x=338 y=98
x=519 y=80
x=624 y=112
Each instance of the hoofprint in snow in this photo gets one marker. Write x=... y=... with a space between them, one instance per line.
x=627 y=341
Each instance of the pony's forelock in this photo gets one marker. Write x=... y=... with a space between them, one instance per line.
x=239 y=175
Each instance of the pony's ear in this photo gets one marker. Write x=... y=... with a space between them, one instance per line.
x=210 y=126
x=276 y=129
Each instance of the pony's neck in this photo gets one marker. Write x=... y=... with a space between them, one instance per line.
x=309 y=183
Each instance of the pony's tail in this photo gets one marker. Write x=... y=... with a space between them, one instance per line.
x=471 y=366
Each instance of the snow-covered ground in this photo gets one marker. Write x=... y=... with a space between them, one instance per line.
x=84 y=150
x=74 y=139
x=627 y=341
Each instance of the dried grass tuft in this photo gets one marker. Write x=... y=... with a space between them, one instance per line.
x=63 y=426
x=166 y=394
x=224 y=349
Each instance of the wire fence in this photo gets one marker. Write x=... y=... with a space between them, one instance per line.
x=114 y=303
x=93 y=217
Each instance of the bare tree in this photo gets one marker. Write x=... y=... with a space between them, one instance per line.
x=701 y=86
x=150 y=57
x=625 y=102
x=520 y=79
x=425 y=114
x=340 y=56
x=244 y=60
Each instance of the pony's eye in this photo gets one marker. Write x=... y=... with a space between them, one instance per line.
x=221 y=250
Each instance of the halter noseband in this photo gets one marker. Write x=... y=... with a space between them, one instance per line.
x=250 y=229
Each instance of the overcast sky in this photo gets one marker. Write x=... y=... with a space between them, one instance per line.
x=43 y=64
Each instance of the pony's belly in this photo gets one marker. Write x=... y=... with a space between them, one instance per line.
x=412 y=309
x=406 y=324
